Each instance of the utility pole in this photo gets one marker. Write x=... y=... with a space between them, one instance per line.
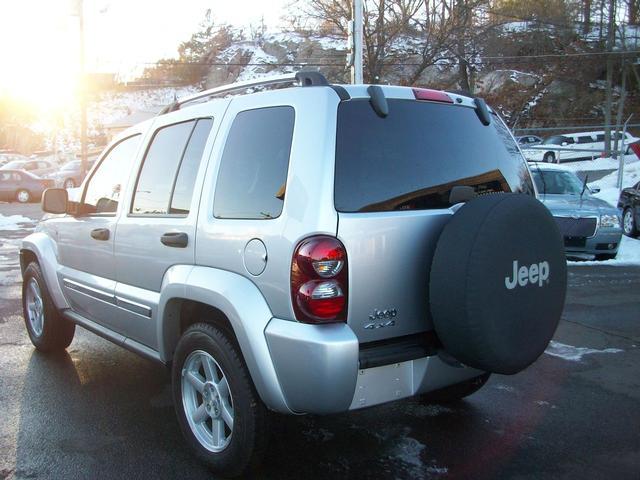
x=83 y=93
x=355 y=37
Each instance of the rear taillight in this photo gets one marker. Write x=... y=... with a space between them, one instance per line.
x=319 y=288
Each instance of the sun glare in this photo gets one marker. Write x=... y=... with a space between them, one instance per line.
x=40 y=54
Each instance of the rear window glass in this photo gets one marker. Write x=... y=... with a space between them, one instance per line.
x=411 y=159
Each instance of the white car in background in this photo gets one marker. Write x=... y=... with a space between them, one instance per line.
x=574 y=146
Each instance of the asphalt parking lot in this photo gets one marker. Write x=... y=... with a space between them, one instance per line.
x=101 y=412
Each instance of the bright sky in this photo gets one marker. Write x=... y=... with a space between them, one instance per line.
x=39 y=38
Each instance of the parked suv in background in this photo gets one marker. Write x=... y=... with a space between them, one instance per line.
x=314 y=249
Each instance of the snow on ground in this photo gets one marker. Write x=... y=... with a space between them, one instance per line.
x=608 y=189
x=599 y=163
x=574 y=354
x=13 y=222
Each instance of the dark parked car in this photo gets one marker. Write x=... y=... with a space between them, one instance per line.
x=22 y=186
x=70 y=174
x=629 y=203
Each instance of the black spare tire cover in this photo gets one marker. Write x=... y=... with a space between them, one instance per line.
x=498 y=282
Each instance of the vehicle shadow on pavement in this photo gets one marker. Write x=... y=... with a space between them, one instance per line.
x=79 y=417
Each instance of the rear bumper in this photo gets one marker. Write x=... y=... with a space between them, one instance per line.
x=318 y=370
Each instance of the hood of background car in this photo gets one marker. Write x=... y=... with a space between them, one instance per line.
x=573 y=204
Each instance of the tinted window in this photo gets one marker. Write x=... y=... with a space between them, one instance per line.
x=104 y=188
x=411 y=159
x=555 y=140
x=158 y=172
x=585 y=139
x=600 y=138
x=253 y=169
x=183 y=190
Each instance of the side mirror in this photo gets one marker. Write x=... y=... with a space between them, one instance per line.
x=595 y=189
x=54 y=200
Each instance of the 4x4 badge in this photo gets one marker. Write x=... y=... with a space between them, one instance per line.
x=386 y=316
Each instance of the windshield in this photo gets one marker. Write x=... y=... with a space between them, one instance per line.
x=414 y=157
x=71 y=166
x=557 y=182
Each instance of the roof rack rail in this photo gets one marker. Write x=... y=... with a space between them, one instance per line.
x=303 y=79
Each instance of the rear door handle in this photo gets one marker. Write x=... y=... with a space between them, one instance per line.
x=175 y=239
x=100 y=234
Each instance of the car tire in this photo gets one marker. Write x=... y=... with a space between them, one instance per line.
x=629 y=226
x=68 y=183
x=48 y=330
x=23 y=196
x=549 y=157
x=456 y=392
x=205 y=408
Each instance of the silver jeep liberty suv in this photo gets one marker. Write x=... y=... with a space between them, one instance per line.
x=310 y=249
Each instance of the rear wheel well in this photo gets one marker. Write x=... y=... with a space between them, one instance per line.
x=27 y=257
x=189 y=312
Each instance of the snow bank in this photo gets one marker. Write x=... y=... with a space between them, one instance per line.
x=599 y=163
x=13 y=222
x=628 y=255
x=574 y=354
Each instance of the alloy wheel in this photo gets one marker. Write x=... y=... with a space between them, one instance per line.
x=207 y=401
x=627 y=222
x=35 y=307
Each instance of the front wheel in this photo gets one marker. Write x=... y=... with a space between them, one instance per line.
x=454 y=393
x=628 y=223
x=549 y=157
x=48 y=330
x=219 y=411
x=23 y=196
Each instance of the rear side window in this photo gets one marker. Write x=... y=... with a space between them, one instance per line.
x=172 y=160
x=411 y=159
x=585 y=139
x=186 y=179
x=254 y=165
x=103 y=190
